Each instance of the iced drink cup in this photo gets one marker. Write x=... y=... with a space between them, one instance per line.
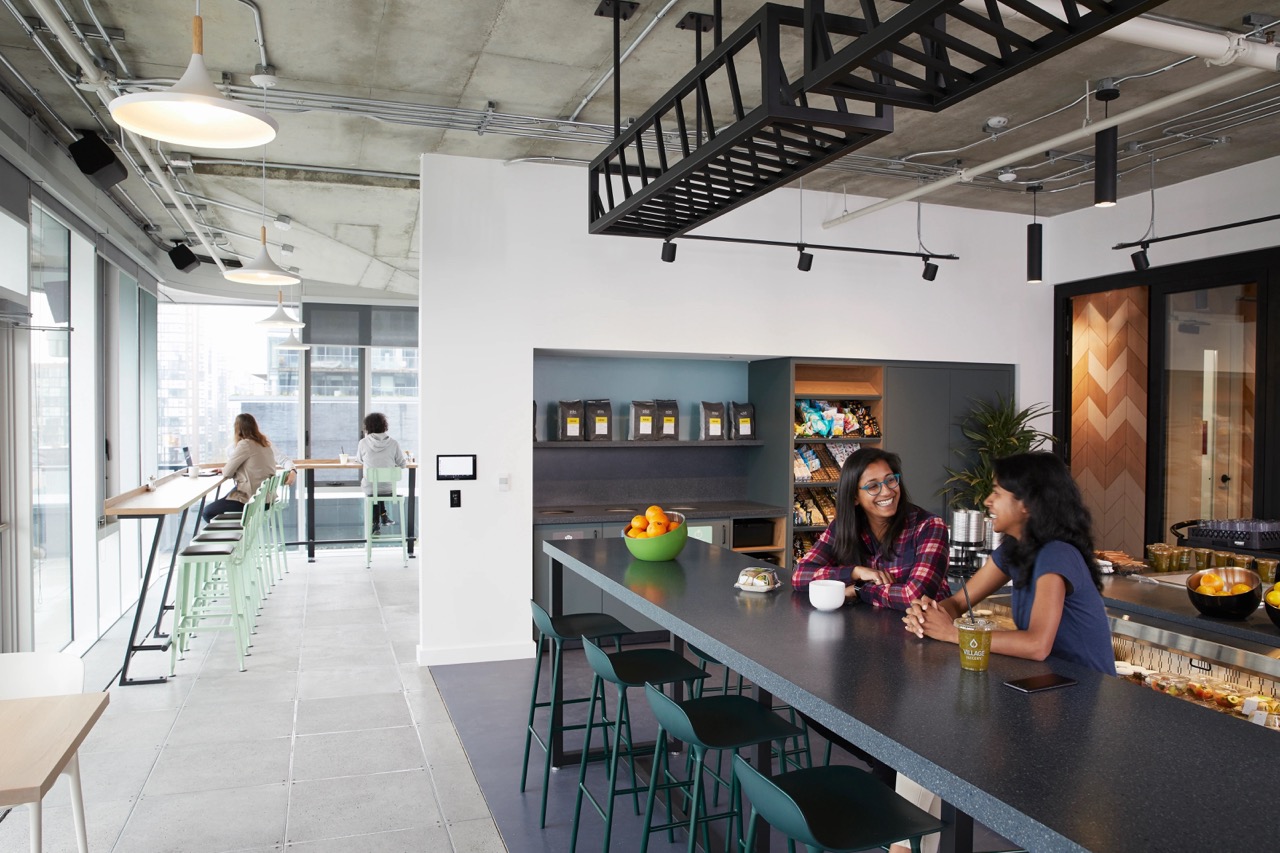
x=975 y=642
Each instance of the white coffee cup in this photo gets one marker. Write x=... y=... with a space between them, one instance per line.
x=826 y=594
x=342 y=459
x=193 y=471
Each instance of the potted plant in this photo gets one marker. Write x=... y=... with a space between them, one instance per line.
x=994 y=429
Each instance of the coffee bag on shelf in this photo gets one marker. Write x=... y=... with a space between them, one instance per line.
x=742 y=421
x=567 y=420
x=711 y=425
x=643 y=423
x=667 y=413
x=598 y=415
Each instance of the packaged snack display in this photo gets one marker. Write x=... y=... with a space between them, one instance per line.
x=567 y=422
x=841 y=452
x=835 y=419
x=667 y=413
x=598 y=415
x=742 y=421
x=642 y=425
x=711 y=421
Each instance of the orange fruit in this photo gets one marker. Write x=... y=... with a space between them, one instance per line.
x=1238 y=588
x=655 y=513
x=1273 y=598
x=657 y=528
x=1206 y=590
x=672 y=524
x=1211 y=580
x=639 y=522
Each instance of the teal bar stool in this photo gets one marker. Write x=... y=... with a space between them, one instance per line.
x=707 y=724
x=838 y=808
x=380 y=480
x=624 y=670
x=556 y=630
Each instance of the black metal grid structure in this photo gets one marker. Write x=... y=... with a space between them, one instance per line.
x=692 y=156
x=659 y=178
x=935 y=53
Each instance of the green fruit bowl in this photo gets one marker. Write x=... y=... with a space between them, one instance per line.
x=663 y=548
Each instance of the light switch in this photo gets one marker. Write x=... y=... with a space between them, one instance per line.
x=504 y=482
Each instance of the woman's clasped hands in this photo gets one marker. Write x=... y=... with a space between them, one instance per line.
x=926 y=617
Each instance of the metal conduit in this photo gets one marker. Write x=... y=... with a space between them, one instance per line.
x=965 y=175
x=94 y=75
x=621 y=59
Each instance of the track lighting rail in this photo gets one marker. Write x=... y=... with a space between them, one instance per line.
x=824 y=247
x=1147 y=241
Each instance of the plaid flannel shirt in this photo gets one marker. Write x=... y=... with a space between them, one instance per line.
x=926 y=575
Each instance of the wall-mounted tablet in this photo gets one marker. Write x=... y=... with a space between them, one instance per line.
x=456 y=466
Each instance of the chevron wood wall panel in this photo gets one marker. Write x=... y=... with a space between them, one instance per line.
x=1109 y=413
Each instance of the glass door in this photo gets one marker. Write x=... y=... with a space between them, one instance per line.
x=1210 y=382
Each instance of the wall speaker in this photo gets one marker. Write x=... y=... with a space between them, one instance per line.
x=183 y=258
x=96 y=160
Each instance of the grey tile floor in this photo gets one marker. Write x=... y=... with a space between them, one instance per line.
x=333 y=740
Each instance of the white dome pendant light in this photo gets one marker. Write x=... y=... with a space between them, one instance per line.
x=292 y=342
x=280 y=318
x=262 y=270
x=192 y=112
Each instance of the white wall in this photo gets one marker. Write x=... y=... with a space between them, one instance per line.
x=508 y=266
x=1078 y=245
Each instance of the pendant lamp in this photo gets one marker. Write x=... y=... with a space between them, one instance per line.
x=1035 y=242
x=292 y=343
x=280 y=318
x=192 y=112
x=262 y=270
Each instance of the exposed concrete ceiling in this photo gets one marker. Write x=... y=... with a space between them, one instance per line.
x=365 y=87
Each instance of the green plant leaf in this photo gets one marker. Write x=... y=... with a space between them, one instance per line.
x=994 y=429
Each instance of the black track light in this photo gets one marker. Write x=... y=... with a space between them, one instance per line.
x=1035 y=242
x=668 y=251
x=1140 y=260
x=930 y=270
x=805 y=262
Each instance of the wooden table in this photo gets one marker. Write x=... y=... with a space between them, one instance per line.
x=38 y=737
x=1101 y=765
x=173 y=494
x=309 y=468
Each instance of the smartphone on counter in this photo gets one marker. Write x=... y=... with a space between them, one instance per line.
x=1037 y=683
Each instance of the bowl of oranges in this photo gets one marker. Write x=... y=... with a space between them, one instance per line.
x=656 y=536
x=1225 y=591
x=1272 y=602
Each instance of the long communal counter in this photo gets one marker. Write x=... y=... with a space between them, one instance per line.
x=1095 y=766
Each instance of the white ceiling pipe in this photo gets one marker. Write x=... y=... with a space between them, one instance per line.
x=1215 y=48
x=966 y=175
x=92 y=74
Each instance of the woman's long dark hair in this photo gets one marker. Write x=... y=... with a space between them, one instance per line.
x=247 y=427
x=851 y=520
x=1056 y=512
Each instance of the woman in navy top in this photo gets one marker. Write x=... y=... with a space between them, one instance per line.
x=1047 y=552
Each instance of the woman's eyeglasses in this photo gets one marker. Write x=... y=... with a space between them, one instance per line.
x=890 y=482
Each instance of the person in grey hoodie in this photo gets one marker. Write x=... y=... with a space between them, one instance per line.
x=378 y=450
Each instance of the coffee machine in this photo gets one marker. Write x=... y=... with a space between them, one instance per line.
x=968 y=534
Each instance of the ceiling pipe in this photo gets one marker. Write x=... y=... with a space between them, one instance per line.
x=966 y=175
x=93 y=75
x=1216 y=48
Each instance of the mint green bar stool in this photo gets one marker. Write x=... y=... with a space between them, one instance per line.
x=556 y=630
x=387 y=479
x=624 y=670
x=838 y=808
x=706 y=724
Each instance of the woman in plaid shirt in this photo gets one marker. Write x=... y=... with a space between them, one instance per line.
x=887 y=550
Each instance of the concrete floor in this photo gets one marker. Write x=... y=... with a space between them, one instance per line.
x=333 y=740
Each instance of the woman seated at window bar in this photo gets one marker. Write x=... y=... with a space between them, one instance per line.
x=250 y=462
x=1047 y=551
x=888 y=551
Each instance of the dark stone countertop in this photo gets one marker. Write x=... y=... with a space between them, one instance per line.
x=1170 y=604
x=1101 y=765
x=622 y=511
